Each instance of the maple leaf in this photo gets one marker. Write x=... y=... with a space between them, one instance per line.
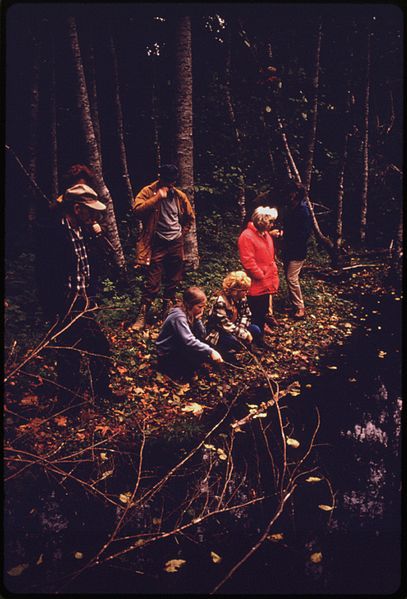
x=61 y=420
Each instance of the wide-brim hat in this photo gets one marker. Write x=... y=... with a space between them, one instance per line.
x=83 y=194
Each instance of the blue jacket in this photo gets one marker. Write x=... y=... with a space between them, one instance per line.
x=297 y=230
x=176 y=336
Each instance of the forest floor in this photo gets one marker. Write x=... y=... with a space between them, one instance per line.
x=102 y=451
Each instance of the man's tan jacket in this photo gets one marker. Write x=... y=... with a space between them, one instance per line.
x=148 y=210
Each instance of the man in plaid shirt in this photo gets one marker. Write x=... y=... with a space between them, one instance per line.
x=66 y=284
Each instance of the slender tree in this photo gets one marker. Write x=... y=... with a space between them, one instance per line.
x=184 y=132
x=314 y=115
x=365 y=182
x=53 y=132
x=119 y=125
x=92 y=146
x=93 y=100
x=241 y=189
x=32 y=163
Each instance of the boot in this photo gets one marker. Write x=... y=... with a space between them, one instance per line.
x=141 y=319
x=167 y=305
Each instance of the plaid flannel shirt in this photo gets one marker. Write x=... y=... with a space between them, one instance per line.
x=81 y=283
x=221 y=319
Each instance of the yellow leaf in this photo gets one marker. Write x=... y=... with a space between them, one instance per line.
x=194 y=407
x=293 y=442
x=173 y=565
x=78 y=555
x=17 y=570
x=103 y=456
x=215 y=557
x=332 y=367
x=261 y=415
x=222 y=455
x=278 y=536
x=124 y=497
x=316 y=557
x=157 y=521
x=121 y=369
x=313 y=479
x=208 y=446
x=326 y=508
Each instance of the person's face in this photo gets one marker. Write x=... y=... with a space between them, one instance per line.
x=169 y=184
x=198 y=310
x=85 y=215
x=237 y=293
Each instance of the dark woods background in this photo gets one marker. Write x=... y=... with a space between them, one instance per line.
x=257 y=36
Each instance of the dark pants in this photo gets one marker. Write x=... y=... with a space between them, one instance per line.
x=259 y=305
x=181 y=365
x=83 y=334
x=167 y=262
x=228 y=342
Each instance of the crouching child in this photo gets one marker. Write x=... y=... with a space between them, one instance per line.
x=180 y=346
x=229 y=326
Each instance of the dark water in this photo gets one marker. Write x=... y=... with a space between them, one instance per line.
x=358 y=450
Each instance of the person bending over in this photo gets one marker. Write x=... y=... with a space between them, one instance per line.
x=229 y=327
x=180 y=346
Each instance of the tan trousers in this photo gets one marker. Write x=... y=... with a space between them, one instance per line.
x=292 y=275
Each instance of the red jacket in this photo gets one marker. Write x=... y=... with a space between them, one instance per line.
x=257 y=256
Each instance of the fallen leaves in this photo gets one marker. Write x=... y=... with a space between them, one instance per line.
x=326 y=508
x=17 y=570
x=173 y=565
x=313 y=479
x=316 y=557
x=215 y=557
x=292 y=442
x=196 y=408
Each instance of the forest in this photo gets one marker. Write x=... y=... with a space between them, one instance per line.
x=280 y=473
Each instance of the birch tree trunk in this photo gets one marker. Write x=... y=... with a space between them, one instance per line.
x=339 y=204
x=93 y=101
x=119 y=126
x=241 y=196
x=32 y=161
x=184 y=131
x=92 y=146
x=314 y=112
x=365 y=188
x=155 y=117
x=54 y=138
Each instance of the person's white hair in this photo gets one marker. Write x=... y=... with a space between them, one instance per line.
x=262 y=216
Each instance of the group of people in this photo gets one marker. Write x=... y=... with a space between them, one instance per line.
x=68 y=258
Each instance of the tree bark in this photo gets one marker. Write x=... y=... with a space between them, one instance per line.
x=119 y=126
x=54 y=138
x=155 y=117
x=339 y=205
x=93 y=101
x=365 y=188
x=314 y=112
x=184 y=131
x=241 y=192
x=92 y=146
x=33 y=124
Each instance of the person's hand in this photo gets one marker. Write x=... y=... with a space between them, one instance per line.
x=216 y=357
x=163 y=192
x=275 y=233
x=249 y=337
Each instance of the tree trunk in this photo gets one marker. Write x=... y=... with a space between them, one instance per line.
x=119 y=126
x=241 y=197
x=92 y=147
x=314 y=112
x=339 y=205
x=326 y=241
x=54 y=139
x=93 y=101
x=363 y=208
x=33 y=125
x=155 y=117
x=184 y=139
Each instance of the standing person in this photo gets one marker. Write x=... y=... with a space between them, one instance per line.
x=180 y=346
x=256 y=251
x=76 y=174
x=229 y=322
x=297 y=228
x=66 y=285
x=167 y=215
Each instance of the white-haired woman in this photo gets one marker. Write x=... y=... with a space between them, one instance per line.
x=256 y=251
x=229 y=323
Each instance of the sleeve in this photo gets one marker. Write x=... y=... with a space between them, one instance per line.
x=221 y=320
x=189 y=215
x=247 y=257
x=143 y=202
x=245 y=317
x=199 y=329
x=185 y=334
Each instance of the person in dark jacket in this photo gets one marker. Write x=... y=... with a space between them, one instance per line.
x=180 y=346
x=297 y=228
x=65 y=274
